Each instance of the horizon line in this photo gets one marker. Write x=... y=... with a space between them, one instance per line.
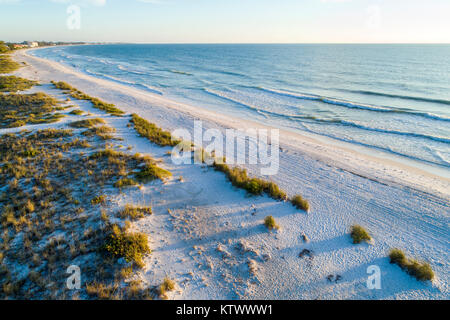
x=234 y=43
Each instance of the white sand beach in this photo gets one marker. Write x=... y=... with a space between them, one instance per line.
x=209 y=236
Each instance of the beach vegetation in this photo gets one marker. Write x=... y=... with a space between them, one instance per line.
x=47 y=188
x=87 y=123
x=420 y=270
x=17 y=110
x=99 y=200
x=76 y=112
x=167 y=286
x=270 y=223
x=102 y=291
x=97 y=103
x=300 y=203
x=152 y=172
x=134 y=213
x=3 y=47
x=148 y=170
x=14 y=84
x=108 y=153
x=7 y=65
x=131 y=246
x=274 y=191
x=125 y=182
x=103 y=132
x=153 y=132
x=359 y=234
x=255 y=186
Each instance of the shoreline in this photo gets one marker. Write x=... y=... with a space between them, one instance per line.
x=392 y=158
x=378 y=168
x=210 y=238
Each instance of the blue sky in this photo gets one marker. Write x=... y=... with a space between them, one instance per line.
x=229 y=21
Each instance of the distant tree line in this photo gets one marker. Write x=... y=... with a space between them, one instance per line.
x=4 y=47
x=7 y=46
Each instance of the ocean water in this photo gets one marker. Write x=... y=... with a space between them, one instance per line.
x=391 y=98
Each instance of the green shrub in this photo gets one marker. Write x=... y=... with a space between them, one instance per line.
x=88 y=123
x=19 y=109
x=99 y=200
x=77 y=112
x=101 y=291
x=132 y=247
x=166 y=286
x=270 y=223
x=102 y=132
x=3 y=48
x=97 y=103
x=125 y=182
x=151 y=172
x=152 y=132
x=135 y=213
x=300 y=203
x=107 y=153
x=255 y=186
x=63 y=86
x=420 y=270
x=397 y=257
x=274 y=192
x=7 y=65
x=359 y=234
x=30 y=152
x=14 y=84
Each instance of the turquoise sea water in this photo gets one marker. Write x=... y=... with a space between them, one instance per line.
x=394 y=98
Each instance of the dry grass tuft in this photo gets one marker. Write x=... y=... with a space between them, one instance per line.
x=420 y=270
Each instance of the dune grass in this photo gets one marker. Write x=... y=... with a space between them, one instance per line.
x=148 y=172
x=134 y=213
x=131 y=246
x=103 y=132
x=7 y=65
x=300 y=203
x=166 y=286
x=152 y=172
x=153 y=133
x=255 y=186
x=3 y=47
x=48 y=185
x=14 y=84
x=98 y=200
x=76 y=112
x=420 y=270
x=125 y=182
x=270 y=223
x=17 y=110
x=88 y=123
x=97 y=103
x=359 y=234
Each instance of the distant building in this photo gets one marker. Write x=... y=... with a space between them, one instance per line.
x=32 y=44
x=19 y=46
